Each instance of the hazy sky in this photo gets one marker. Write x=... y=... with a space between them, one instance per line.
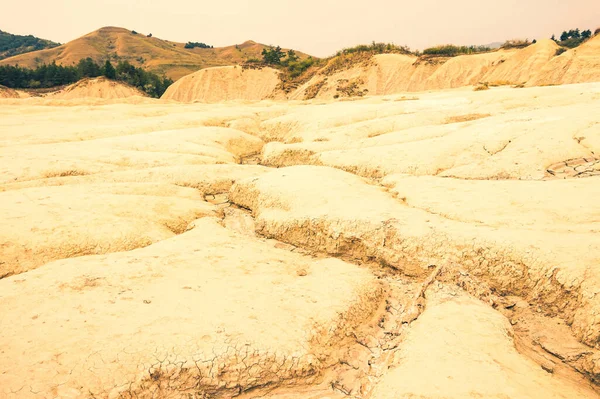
x=318 y=27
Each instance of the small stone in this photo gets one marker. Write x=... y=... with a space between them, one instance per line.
x=301 y=272
x=548 y=367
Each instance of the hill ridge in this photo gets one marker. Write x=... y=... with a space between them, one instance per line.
x=156 y=55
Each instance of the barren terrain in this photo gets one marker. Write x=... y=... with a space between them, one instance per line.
x=431 y=245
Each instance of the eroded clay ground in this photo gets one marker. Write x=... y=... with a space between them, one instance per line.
x=431 y=245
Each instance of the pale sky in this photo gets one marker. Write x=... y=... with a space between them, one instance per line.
x=318 y=27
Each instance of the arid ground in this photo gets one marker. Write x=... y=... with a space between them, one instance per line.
x=423 y=245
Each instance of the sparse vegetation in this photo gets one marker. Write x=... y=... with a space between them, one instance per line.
x=559 y=51
x=516 y=43
x=375 y=48
x=350 y=88
x=46 y=76
x=198 y=44
x=450 y=50
x=312 y=91
x=134 y=32
x=482 y=86
x=11 y=45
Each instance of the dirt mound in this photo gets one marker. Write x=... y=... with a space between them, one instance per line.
x=5 y=92
x=465 y=70
x=96 y=88
x=382 y=74
x=224 y=83
x=523 y=64
x=578 y=65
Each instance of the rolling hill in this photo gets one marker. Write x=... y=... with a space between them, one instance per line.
x=12 y=45
x=153 y=54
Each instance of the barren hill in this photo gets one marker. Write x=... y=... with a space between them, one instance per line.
x=151 y=53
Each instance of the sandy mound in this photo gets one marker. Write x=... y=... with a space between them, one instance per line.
x=224 y=83
x=523 y=65
x=6 y=92
x=581 y=64
x=97 y=88
x=465 y=70
x=383 y=74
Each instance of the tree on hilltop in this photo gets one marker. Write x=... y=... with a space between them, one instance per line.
x=109 y=71
x=273 y=55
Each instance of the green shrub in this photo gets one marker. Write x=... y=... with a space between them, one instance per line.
x=273 y=55
x=571 y=42
x=560 y=50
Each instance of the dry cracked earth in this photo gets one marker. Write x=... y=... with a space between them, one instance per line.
x=437 y=245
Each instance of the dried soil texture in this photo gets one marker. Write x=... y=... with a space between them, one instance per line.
x=436 y=245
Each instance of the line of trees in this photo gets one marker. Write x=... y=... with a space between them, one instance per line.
x=11 y=45
x=197 y=44
x=575 y=34
x=52 y=75
x=573 y=37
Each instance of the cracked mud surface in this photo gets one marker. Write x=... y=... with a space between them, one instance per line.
x=443 y=247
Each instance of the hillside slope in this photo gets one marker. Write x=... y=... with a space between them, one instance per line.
x=224 y=83
x=6 y=92
x=97 y=88
x=11 y=45
x=153 y=54
x=578 y=65
x=361 y=74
